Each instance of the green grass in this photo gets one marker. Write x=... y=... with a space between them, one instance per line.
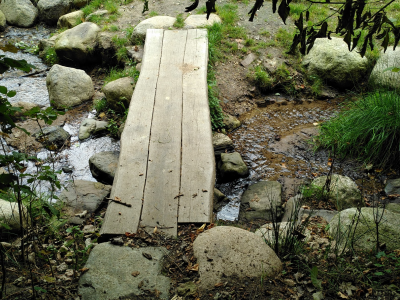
x=180 y=21
x=50 y=56
x=153 y=13
x=116 y=73
x=114 y=28
x=261 y=78
x=369 y=129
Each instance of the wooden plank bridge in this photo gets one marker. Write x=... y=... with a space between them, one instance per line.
x=166 y=168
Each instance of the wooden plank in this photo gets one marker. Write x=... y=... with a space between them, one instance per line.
x=160 y=206
x=198 y=165
x=130 y=177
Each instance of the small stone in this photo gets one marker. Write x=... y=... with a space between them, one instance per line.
x=62 y=268
x=135 y=274
x=89 y=229
x=69 y=273
x=289 y=282
x=117 y=241
x=248 y=60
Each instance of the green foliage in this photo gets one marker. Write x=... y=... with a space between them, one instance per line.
x=116 y=73
x=216 y=113
x=50 y=57
x=368 y=129
x=114 y=28
x=314 y=278
x=100 y=105
x=180 y=21
x=29 y=48
x=153 y=13
x=261 y=78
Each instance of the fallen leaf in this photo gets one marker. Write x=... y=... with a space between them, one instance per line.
x=204 y=191
x=117 y=198
x=201 y=229
x=131 y=235
x=135 y=274
x=119 y=213
x=83 y=270
x=369 y=291
x=219 y=284
x=194 y=268
x=147 y=255
x=342 y=295
x=315 y=124
x=49 y=279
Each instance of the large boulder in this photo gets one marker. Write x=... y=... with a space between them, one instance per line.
x=158 y=22
x=9 y=216
x=70 y=20
x=68 y=86
x=51 y=10
x=226 y=251
x=78 y=44
x=115 y=272
x=3 y=21
x=231 y=167
x=361 y=228
x=89 y=126
x=82 y=196
x=221 y=143
x=53 y=137
x=392 y=187
x=332 y=61
x=262 y=200
x=196 y=21
x=120 y=90
x=343 y=191
x=386 y=79
x=103 y=166
x=20 y=13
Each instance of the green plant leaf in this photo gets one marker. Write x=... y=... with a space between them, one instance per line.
x=3 y=90
x=4 y=225
x=315 y=281
x=39 y=289
x=11 y=94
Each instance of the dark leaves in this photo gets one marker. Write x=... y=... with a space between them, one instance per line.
x=253 y=10
x=210 y=5
x=284 y=10
x=274 y=2
x=192 y=7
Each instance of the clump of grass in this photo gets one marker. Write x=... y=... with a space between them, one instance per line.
x=216 y=113
x=153 y=13
x=115 y=74
x=369 y=129
x=284 y=38
x=114 y=28
x=261 y=78
x=50 y=56
x=100 y=105
x=180 y=21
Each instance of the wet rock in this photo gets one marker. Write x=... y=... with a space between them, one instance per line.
x=3 y=21
x=89 y=126
x=78 y=44
x=82 y=195
x=232 y=167
x=68 y=86
x=158 y=22
x=230 y=122
x=292 y=209
x=20 y=13
x=53 y=136
x=248 y=60
x=332 y=61
x=119 y=90
x=262 y=200
x=219 y=199
x=221 y=143
x=387 y=79
x=51 y=10
x=392 y=187
x=9 y=216
x=110 y=268
x=343 y=191
x=103 y=166
x=136 y=53
x=196 y=21
x=226 y=251
x=365 y=231
x=70 y=20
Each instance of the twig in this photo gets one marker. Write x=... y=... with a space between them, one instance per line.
x=35 y=73
x=120 y=202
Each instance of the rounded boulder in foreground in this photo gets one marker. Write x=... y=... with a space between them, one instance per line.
x=68 y=86
x=332 y=61
x=226 y=251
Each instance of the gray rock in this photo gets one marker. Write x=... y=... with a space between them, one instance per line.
x=226 y=251
x=9 y=215
x=343 y=191
x=80 y=3
x=332 y=61
x=78 y=44
x=231 y=122
x=365 y=238
x=89 y=126
x=103 y=166
x=20 y=13
x=196 y=21
x=119 y=90
x=262 y=200
x=386 y=79
x=392 y=187
x=158 y=22
x=247 y=61
x=45 y=44
x=219 y=199
x=51 y=10
x=68 y=87
x=101 y=12
x=70 y=20
x=286 y=229
x=110 y=273
x=82 y=195
x=3 y=21
x=52 y=136
x=221 y=143
x=292 y=209
x=232 y=167
x=136 y=53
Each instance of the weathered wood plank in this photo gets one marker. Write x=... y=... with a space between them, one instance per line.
x=198 y=166
x=130 y=177
x=160 y=206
